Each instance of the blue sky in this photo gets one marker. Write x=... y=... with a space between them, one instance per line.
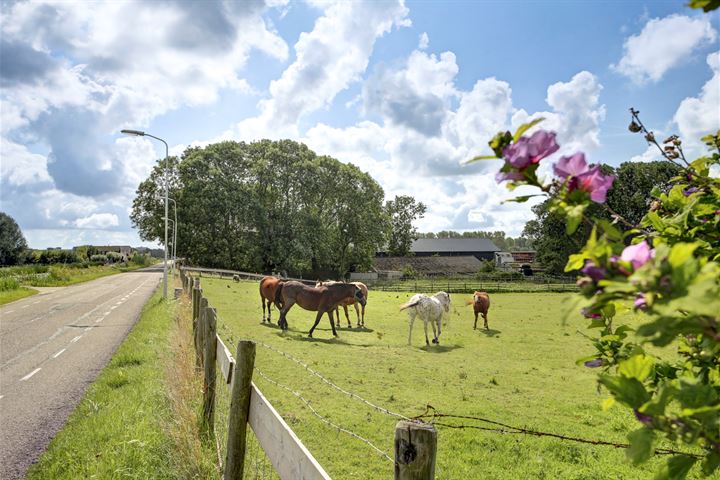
x=405 y=90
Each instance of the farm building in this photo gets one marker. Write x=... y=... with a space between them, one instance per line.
x=428 y=266
x=480 y=248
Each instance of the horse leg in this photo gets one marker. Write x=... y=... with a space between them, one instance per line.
x=411 y=316
x=363 y=315
x=337 y=312
x=262 y=301
x=317 y=320
x=475 y=326
x=439 y=330
x=347 y=317
x=486 y=319
x=269 y=307
x=337 y=316
x=425 y=322
x=435 y=333
x=357 y=313
x=282 y=322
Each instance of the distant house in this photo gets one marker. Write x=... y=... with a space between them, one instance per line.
x=123 y=250
x=480 y=248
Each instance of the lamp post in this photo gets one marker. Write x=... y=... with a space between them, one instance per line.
x=138 y=133
x=175 y=229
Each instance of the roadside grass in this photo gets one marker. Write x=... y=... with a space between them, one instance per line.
x=121 y=427
x=7 y=296
x=521 y=372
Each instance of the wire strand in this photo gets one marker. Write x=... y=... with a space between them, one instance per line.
x=322 y=418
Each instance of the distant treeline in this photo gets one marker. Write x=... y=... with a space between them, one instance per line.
x=499 y=238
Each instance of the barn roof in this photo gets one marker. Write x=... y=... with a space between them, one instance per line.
x=454 y=245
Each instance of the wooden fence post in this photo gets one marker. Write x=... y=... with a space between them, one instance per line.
x=239 y=410
x=415 y=449
x=210 y=356
x=200 y=331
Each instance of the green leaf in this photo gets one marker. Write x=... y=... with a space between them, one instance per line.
x=499 y=142
x=680 y=253
x=525 y=127
x=641 y=445
x=481 y=157
x=676 y=468
x=575 y=262
x=639 y=367
x=711 y=463
x=628 y=391
x=574 y=217
x=523 y=198
x=707 y=6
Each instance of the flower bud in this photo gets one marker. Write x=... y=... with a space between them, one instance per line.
x=634 y=127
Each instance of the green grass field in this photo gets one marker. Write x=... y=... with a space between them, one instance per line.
x=521 y=372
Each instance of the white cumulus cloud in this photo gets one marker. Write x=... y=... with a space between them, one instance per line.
x=699 y=116
x=663 y=44
x=98 y=220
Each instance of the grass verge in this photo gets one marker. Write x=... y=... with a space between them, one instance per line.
x=120 y=428
x=8 y=296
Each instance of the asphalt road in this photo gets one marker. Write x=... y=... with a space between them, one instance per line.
x=52 y=347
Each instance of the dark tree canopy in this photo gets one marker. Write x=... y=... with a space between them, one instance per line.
x=402 y=212
x=266 y=205
x=629 y=197
x=12 y=241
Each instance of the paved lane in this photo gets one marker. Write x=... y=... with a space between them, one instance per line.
x=52 y=346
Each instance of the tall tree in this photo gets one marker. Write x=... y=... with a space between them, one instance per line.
x=629 y=197
x=267 y=205
x=12 y=241
x=402 y=212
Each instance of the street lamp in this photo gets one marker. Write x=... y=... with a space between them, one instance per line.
x=138 y=133
x=174 y=233
x=174 y=227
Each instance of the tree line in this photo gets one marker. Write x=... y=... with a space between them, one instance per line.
x=273 y=206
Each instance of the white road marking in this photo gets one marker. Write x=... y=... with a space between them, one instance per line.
x=118 y=303
x=76 y=339
x=107 y=313
x=99 y=320
x=113 y=307
x=1 y=397
x=88 y=329
x=26 y=377
x=59 y=353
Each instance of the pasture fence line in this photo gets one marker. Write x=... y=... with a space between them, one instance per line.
x=415 y=441
x=429 y=285
x=431 y=414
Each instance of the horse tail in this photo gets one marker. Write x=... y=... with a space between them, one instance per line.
x=409 y=304
x=278 y=295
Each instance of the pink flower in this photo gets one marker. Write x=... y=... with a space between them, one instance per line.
x=595 y=183
x=530 y=150
x=571 y=166
x=638 y=254
x=512 y=175
x=640 y=302
x=582 y=177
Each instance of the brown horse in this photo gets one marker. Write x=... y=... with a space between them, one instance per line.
x=481 y=304
x=349 y=301
x=317 y=299
x=268 y=287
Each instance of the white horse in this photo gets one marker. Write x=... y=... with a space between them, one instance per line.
x=430 y=309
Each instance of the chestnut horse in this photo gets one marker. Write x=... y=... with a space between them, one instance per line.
x=322 y=299
x=349 y=301
x=268 y=287
x=481 y=304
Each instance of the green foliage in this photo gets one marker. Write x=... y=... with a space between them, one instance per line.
x=629 y=198
x=488 y=266
x=8 y=283
x=409 y=272
x=266 y=205
x=706 y=5
x=12 y=241
x=402 y=212
x=670 y=273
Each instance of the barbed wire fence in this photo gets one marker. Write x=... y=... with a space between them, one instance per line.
x=259 y=467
